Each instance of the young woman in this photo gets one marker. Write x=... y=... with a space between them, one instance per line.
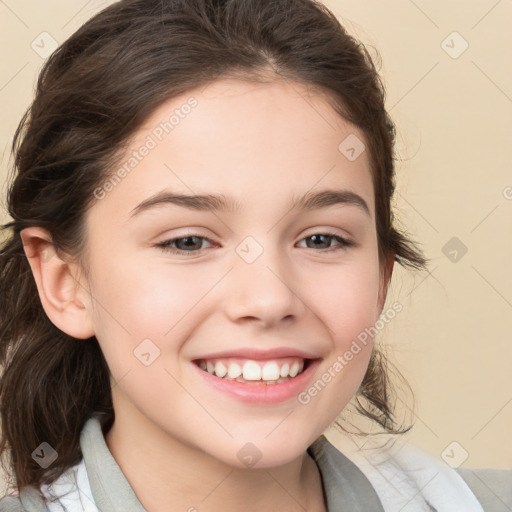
x=202 y=239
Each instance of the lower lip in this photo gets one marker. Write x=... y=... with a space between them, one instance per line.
x=261 y=393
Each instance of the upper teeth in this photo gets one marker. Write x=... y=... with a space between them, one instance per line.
x=254 y=370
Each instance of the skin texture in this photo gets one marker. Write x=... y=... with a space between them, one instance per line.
x=175 y=438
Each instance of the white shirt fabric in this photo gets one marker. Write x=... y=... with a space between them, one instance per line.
x=374 y=479
x=405 y=479
x=71 y=491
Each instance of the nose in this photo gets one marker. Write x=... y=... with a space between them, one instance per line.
x=264 y=291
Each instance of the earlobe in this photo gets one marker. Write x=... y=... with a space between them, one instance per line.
x=63 y=298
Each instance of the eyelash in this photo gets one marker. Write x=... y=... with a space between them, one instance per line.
x=166 y=245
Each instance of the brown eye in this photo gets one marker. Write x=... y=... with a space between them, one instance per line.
x=322 y=241
x=186 y=245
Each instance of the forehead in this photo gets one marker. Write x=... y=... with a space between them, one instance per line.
x=267 y=141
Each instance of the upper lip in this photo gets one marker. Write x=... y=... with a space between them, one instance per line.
x=260 y=354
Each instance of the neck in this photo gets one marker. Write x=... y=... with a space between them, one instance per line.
x=162 y=470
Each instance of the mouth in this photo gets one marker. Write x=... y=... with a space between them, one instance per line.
x=250 y=371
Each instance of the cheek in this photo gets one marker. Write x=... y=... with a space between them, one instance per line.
x=347 y=298
x=349 y=310
x=137 y=301
x=134 y=301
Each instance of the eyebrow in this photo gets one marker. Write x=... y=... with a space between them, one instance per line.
x=220 y=202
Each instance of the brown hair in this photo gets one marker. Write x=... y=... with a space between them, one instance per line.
x=92 y=94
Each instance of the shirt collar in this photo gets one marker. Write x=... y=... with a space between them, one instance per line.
x=110 y=489
x=346 y=488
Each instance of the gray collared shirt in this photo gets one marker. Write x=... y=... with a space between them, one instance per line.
x=346 y=488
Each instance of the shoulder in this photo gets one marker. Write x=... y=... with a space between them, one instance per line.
x=492 y=487
x=70 y=492
x=407 y=478
x=31 y=501
x=11 y=504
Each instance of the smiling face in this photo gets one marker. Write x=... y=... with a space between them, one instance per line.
x=256 y=279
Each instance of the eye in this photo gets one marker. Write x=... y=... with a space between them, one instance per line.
x=192 y=244
x=317 y=241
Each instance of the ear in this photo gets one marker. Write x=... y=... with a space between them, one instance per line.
x=385 y=277
x=64 y=299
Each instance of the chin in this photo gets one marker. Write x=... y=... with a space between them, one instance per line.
x=263 y=454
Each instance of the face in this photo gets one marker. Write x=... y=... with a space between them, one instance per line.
x=261 y=285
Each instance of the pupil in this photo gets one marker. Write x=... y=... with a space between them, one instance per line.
x=187 y=241
x=317 y=237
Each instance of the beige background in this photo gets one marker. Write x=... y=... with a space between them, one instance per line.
x=453 y=341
